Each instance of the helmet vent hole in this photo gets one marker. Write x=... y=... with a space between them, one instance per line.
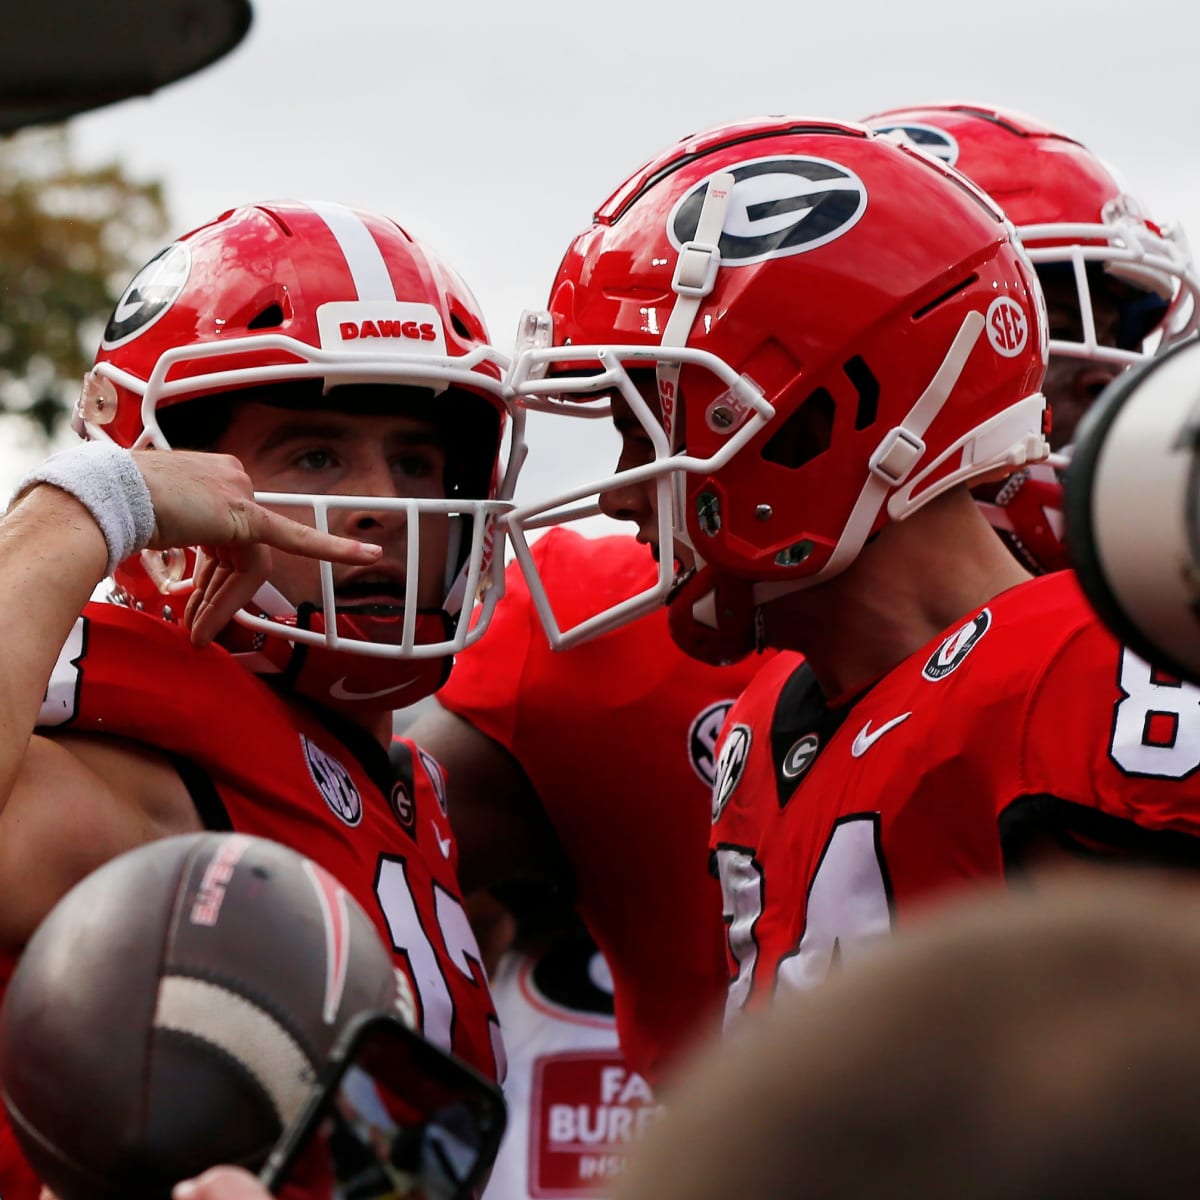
x=805 y=434
x=867 y=387
x=460 y=327
x=948 y=294
x=271 y=317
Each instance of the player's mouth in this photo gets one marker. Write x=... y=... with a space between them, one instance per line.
x=371 y=597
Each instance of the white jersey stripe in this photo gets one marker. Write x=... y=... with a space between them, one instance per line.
x=370 y=273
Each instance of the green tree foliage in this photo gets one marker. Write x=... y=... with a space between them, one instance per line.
x=70 y=239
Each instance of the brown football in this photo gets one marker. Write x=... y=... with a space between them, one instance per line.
x=172 y=1010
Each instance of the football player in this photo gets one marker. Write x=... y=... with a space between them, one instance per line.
x=814 y=340
x=562 y=765
x=294 y=462
x=511 y=696
x=1119 y=286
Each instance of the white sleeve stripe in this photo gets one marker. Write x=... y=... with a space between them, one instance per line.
x=243 y=1031
x=370 y=273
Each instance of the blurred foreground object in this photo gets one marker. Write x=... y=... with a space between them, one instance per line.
x=61 y=57
x=1039 y=1044
x=175 y=1009
x=1133 y=510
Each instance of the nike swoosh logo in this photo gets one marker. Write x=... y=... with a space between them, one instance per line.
x=444 y=843
x=339 y=691
x=867 y=737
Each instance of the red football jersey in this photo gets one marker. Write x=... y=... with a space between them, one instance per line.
x=835 y=824
x=618 y=738
x=262 y=763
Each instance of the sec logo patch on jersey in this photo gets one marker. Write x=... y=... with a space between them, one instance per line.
x=731 y=766
x=333 y=782
x=703 y=735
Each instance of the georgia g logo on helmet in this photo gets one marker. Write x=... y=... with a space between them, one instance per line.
x=779 y=206
x=929 y=138
x=150 y=293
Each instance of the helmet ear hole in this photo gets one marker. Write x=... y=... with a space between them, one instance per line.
x=460 y=326
x=807 y=433
x=271 y=317
x=867 y=387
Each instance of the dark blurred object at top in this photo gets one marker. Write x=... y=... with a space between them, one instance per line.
x=61 y=57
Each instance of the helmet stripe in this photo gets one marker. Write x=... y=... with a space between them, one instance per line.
x=367 y=267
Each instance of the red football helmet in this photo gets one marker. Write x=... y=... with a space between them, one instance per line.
x=1087 y=237
x=850 y=326
x=326 y=303
x=1070 y=210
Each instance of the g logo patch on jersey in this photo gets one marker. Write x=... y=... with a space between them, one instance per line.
x=403 y=806
x=731 y=766
x=950 y=654
x=778 y=206
x=801 y=756
x=153 y=290
x=703 y=735
x=333 y=782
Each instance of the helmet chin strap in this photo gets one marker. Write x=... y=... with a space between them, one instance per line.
x=349 y=682
x=695 y=277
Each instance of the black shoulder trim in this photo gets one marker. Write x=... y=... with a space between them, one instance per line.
x=205 y=797
x=801 y=726
x=1088 y=833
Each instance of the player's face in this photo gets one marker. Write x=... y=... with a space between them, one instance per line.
x=333 y=453
x=635 y=502
x=1073 y=384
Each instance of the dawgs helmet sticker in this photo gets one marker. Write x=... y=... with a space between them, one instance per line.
x=779 y=206
x=151 y=292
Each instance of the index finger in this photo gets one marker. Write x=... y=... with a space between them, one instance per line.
x=282 y=533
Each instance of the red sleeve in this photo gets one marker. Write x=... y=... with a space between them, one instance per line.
x=1111 y=750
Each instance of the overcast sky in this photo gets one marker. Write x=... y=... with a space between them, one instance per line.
x=492 y=129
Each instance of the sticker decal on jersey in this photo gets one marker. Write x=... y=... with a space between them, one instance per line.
x=731 y=766
x=333 y=782
x=150 y=294
x=779 y=206
x=950 y=654
x=801 y=756
x=703 y=735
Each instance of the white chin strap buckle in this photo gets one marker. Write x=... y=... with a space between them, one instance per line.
x=896 y=455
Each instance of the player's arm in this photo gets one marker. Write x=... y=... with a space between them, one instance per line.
x=79 y=800
x=1110 y=764
x=53 y=553
x=499 y=823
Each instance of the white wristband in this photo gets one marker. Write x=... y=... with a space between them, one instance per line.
x=103 y=477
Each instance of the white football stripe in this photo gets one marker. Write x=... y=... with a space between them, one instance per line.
x=243 y=1031
x=371 y=278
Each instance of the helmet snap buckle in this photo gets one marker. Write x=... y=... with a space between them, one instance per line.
x=896 y=455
